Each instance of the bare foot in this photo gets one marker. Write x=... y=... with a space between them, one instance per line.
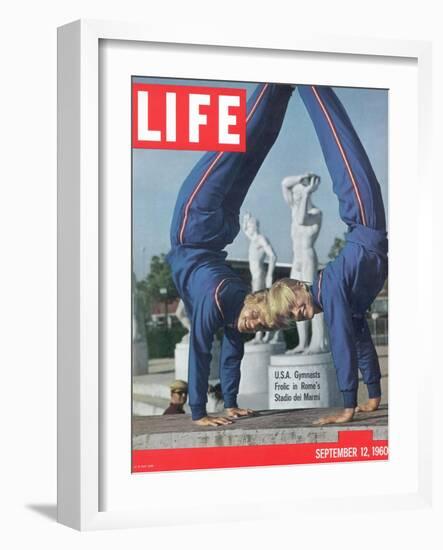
x=371 y=405
x=213 y=421
x=345 y=416
x=235 y=412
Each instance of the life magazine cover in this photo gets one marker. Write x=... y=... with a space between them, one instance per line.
x=259 y=274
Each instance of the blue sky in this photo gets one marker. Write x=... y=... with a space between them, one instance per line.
x=158 y=174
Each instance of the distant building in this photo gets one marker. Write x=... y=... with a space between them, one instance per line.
x=281 y=269
x=162 y=314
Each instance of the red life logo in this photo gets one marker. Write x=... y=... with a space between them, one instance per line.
x=188 y=118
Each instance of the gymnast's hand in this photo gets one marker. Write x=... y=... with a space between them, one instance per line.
x=213 y=421
x=345 y=416
x=235 y=412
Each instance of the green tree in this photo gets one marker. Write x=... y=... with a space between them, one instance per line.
x=159 y=277
x=336 y=248
x=161 y=340
x=147 y=292
x=140 y=305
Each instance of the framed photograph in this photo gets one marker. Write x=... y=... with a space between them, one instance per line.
x=231 y=315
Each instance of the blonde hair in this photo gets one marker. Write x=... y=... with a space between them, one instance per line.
x=281 y=300
x=259 y=301
x=274 y=305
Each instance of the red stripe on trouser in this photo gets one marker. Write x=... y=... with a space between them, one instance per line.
x=342 y=152
x=194 y=193
x=209 y=170
x=320 y=277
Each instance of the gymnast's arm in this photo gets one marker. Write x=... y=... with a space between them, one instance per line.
x=205 y=322
x=231 y=355
x=338 y=318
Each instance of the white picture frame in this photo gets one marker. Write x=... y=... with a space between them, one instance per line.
x=84 y=444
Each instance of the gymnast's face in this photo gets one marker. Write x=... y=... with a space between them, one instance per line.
x=290 y=300
x=250 y=320
x=302 y=309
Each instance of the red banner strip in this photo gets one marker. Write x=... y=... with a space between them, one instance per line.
x=352 y=446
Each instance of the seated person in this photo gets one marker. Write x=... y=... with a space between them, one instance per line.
x=179 y=395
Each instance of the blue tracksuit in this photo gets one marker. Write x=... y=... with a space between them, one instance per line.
x=205 y=220
x=347 y=286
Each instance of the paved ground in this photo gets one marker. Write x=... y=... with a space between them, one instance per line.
x=265 y=428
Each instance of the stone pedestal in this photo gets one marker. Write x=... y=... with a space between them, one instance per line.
x=303 y=381
x=277 y=343
x=253 y=391
x=277 y=348
x=181 y=355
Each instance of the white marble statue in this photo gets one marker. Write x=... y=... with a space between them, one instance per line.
x=260 y=251
x=305 y=227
